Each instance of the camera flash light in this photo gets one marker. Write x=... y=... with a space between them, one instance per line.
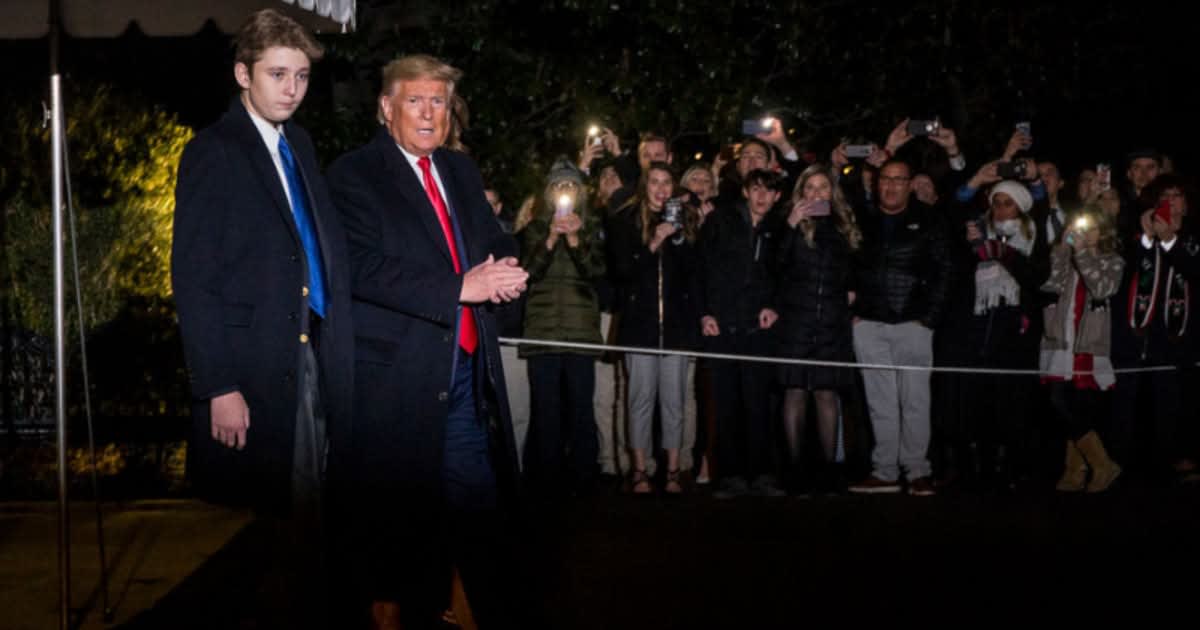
x=593 y=130
x=1082 y=223
x=766 y=123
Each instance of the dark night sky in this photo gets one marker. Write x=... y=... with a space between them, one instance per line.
x=192 y=77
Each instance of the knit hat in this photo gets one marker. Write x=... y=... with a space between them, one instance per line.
x=563 y=169
x=1017 y=191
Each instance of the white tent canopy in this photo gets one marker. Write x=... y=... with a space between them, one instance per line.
x=110 y=18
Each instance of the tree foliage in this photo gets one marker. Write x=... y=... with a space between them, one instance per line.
x=537 y=72
x=123 y=158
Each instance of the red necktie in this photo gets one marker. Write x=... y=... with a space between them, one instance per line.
x=468 y=337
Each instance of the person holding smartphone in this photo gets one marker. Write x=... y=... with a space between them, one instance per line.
x=564 y=254
x=1085 y=271
x=814 y=297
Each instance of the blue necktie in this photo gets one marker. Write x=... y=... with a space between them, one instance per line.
x=304 y=225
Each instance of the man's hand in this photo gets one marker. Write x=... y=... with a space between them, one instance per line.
x=709 y=326
x=230 y=419
x=776 y=137
x=985 y=175
x=898 y=137
x=612 y=143
x=1018 y=142
x=946 y=139
x=588 y=154
x=1030 y=173
x=878 y=157
x=838 y=157
x=493 y=280
x=767 y=318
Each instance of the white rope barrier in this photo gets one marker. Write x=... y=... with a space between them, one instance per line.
x=600 y=347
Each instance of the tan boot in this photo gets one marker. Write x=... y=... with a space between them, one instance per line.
x=1104 y=470
x=1074 y=477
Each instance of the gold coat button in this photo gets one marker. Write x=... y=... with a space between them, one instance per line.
x=303 y=338
x=304 y=291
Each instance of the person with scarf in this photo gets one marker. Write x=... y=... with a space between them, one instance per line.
x=1005 y=255
x=1164 y=258
x=1085 y=271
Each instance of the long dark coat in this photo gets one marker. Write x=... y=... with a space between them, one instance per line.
x=238 y=270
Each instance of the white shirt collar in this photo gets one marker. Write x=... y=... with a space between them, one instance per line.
x=270 y=133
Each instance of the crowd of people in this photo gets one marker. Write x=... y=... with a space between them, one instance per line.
x=906 y=254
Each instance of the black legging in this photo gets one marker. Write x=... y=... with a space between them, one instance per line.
x=1076 y=407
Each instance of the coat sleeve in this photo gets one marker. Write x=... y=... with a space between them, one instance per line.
x=202 y=208
x=400 y=283
x=535 y=258
x=589 y=255
x=942 y=273
x=1100 y=272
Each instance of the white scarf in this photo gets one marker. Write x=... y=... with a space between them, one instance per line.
x=993 y=283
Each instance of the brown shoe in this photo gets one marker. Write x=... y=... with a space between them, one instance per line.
x=921 y=487
x=875 y=485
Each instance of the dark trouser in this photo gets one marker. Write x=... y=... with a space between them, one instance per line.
x=477 y=538
x=1164 y=397
x=741 y=391
x=295 y=587
x=562 y=387
x=1076 y=407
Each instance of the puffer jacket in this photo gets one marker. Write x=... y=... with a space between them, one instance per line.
x=814 y=314
x=906 y=278
x=561 y=303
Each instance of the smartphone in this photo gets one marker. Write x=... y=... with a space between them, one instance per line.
x=923 y=127
x=564 y=205
x=754 y=126
x=1025 y=127
x=859 y=150
x=1103 y=177
x=1010 y=170
x=594 y=135
x=819 y=208
x=1163 y=212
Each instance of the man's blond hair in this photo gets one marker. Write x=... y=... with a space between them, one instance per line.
x=415 y=67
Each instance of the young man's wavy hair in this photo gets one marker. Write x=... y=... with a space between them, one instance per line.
x=269 y=28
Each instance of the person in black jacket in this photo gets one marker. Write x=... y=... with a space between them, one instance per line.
x=902 y=273
x=653 y=262
x=739 y=288
x=814 y=310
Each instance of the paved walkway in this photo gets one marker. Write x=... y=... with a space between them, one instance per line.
x=151 y=545
x=618 y=561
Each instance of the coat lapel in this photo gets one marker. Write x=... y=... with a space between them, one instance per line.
x=264 y=166
x=404 y=181
x=454 y=202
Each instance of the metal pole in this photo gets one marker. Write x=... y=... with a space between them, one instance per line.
x=60 y=360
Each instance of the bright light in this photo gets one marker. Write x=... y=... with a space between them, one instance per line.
x=767 y=122
x=699 y=156
x=1082 y=223
x=594 y=130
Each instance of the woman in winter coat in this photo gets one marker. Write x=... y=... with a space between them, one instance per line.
x=654 y=262
x=564 y=254
x=1085 y=271
x=814 y=314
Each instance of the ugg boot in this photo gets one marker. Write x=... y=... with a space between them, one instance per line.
x=1104 y=470
x=1074 y=477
